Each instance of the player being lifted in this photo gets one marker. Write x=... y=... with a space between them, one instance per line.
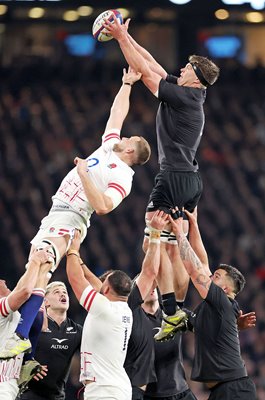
x=99 y=183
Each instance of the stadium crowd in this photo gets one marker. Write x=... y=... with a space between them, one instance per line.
x=49 y=114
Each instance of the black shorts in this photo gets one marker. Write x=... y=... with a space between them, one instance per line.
x=137 y=393
x=243 y=389
x=30 y=395
x=186 y=395
x=174 y=188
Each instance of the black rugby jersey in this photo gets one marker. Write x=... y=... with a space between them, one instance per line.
x=179 y=125
x=55 y=349
x=171 y=379
x=139 y=362
x=217 y=348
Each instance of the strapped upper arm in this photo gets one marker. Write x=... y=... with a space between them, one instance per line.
x=5 y=308
x=17 y=297
x=119 y=187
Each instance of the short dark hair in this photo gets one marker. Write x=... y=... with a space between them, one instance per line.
x=209 y=70
x=120 y=282
x=238 y=279
x=143 y=151
x=103 y=276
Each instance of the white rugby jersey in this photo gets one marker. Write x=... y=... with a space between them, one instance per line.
x=105 y=337
x=9 y=369
x=107 y=171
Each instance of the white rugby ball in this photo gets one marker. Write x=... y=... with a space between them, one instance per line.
x=98 y=29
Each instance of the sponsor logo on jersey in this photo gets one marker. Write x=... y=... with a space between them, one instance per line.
x=112 y=165
x=59 y=346
x=91 y=162
x=51 y=230
x=59 y=340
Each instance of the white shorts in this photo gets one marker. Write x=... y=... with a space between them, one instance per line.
x=93 y=391
x=8 y=390
x=60 y=223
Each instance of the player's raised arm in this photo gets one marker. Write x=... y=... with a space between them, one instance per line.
x=195 y=240
x=74 y=270
x=153 y=64
x=121 y=103
x=191 y=261
x=150 y=266
x=135 y=59
x=27 y=282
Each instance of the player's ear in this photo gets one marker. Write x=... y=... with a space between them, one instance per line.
x=106 y=290
x=130 y=150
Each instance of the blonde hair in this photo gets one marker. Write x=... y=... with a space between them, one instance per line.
x=143 y=151
x=53 y=284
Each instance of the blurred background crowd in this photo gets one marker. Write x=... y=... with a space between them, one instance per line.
x=54 y=105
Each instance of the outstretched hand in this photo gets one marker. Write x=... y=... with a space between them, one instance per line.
x=127 y=22
x=42 y=256
x=76 y=241
x=130 y=76
x=245 y=321
x=193 y=217
x=159 y=220
x=177 y=224
x=115 y=29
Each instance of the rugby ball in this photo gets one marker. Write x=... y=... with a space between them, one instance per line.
x=98 y=29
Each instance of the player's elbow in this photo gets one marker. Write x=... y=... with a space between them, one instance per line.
x=102 y=210
x=105 y=206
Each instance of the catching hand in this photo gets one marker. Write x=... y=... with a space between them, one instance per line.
x=115 y=29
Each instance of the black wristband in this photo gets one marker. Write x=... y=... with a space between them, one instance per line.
x=127 y=83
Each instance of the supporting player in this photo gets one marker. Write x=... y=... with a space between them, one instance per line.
x=10 y=302
x=217 y=361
